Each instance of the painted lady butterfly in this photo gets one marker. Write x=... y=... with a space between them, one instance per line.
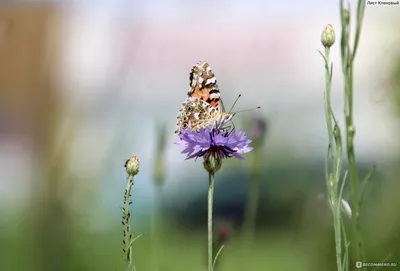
x=203 y=107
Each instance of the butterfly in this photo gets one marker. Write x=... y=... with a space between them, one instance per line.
x=203 y=108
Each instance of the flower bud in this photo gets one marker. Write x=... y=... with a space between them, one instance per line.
x=223 y=233
x=346 y=15
x=259 y=130
x=328 y=36
x=132 y=166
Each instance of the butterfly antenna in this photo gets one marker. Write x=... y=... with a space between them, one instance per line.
x=235 y=102
x=246 y=110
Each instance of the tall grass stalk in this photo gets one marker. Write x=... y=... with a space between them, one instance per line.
x=348 y=56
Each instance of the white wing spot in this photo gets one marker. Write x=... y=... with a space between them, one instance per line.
x=211 y=81
x=214 y=95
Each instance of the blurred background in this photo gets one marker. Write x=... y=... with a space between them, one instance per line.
x=84 y=85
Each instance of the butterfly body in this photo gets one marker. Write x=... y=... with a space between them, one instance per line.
x=203 y=107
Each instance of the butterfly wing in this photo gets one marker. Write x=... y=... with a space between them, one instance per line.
x=203 y=107
x=221 y=107
x=203 y=84
x=196 y=114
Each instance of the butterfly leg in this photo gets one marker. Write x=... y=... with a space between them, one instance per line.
x=229 y=128
x=233 y=128
x=226 y=128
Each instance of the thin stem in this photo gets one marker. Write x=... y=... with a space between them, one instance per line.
x=126 y=223
x=333 y=161
x=348 y=56
x=360 y=18
x=365 y=183
x=328 y=110
x=217 y=255
x=210 y=214
x=338 y=235
x=338 y=209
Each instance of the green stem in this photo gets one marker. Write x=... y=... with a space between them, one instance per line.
x=127 y=229
x=333 y=172
x=338 y=198
x=348 y=56
x=210 y=214
x=338 y=235
x=328 y=110
x=350 y=131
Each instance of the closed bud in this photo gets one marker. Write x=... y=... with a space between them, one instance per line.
x=328 y=36
x=132 y=166
x=346 y=15
x=259 y=130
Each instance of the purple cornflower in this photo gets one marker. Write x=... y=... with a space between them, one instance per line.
x=214 y=143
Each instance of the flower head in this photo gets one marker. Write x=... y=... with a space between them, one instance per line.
x=214 y=143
